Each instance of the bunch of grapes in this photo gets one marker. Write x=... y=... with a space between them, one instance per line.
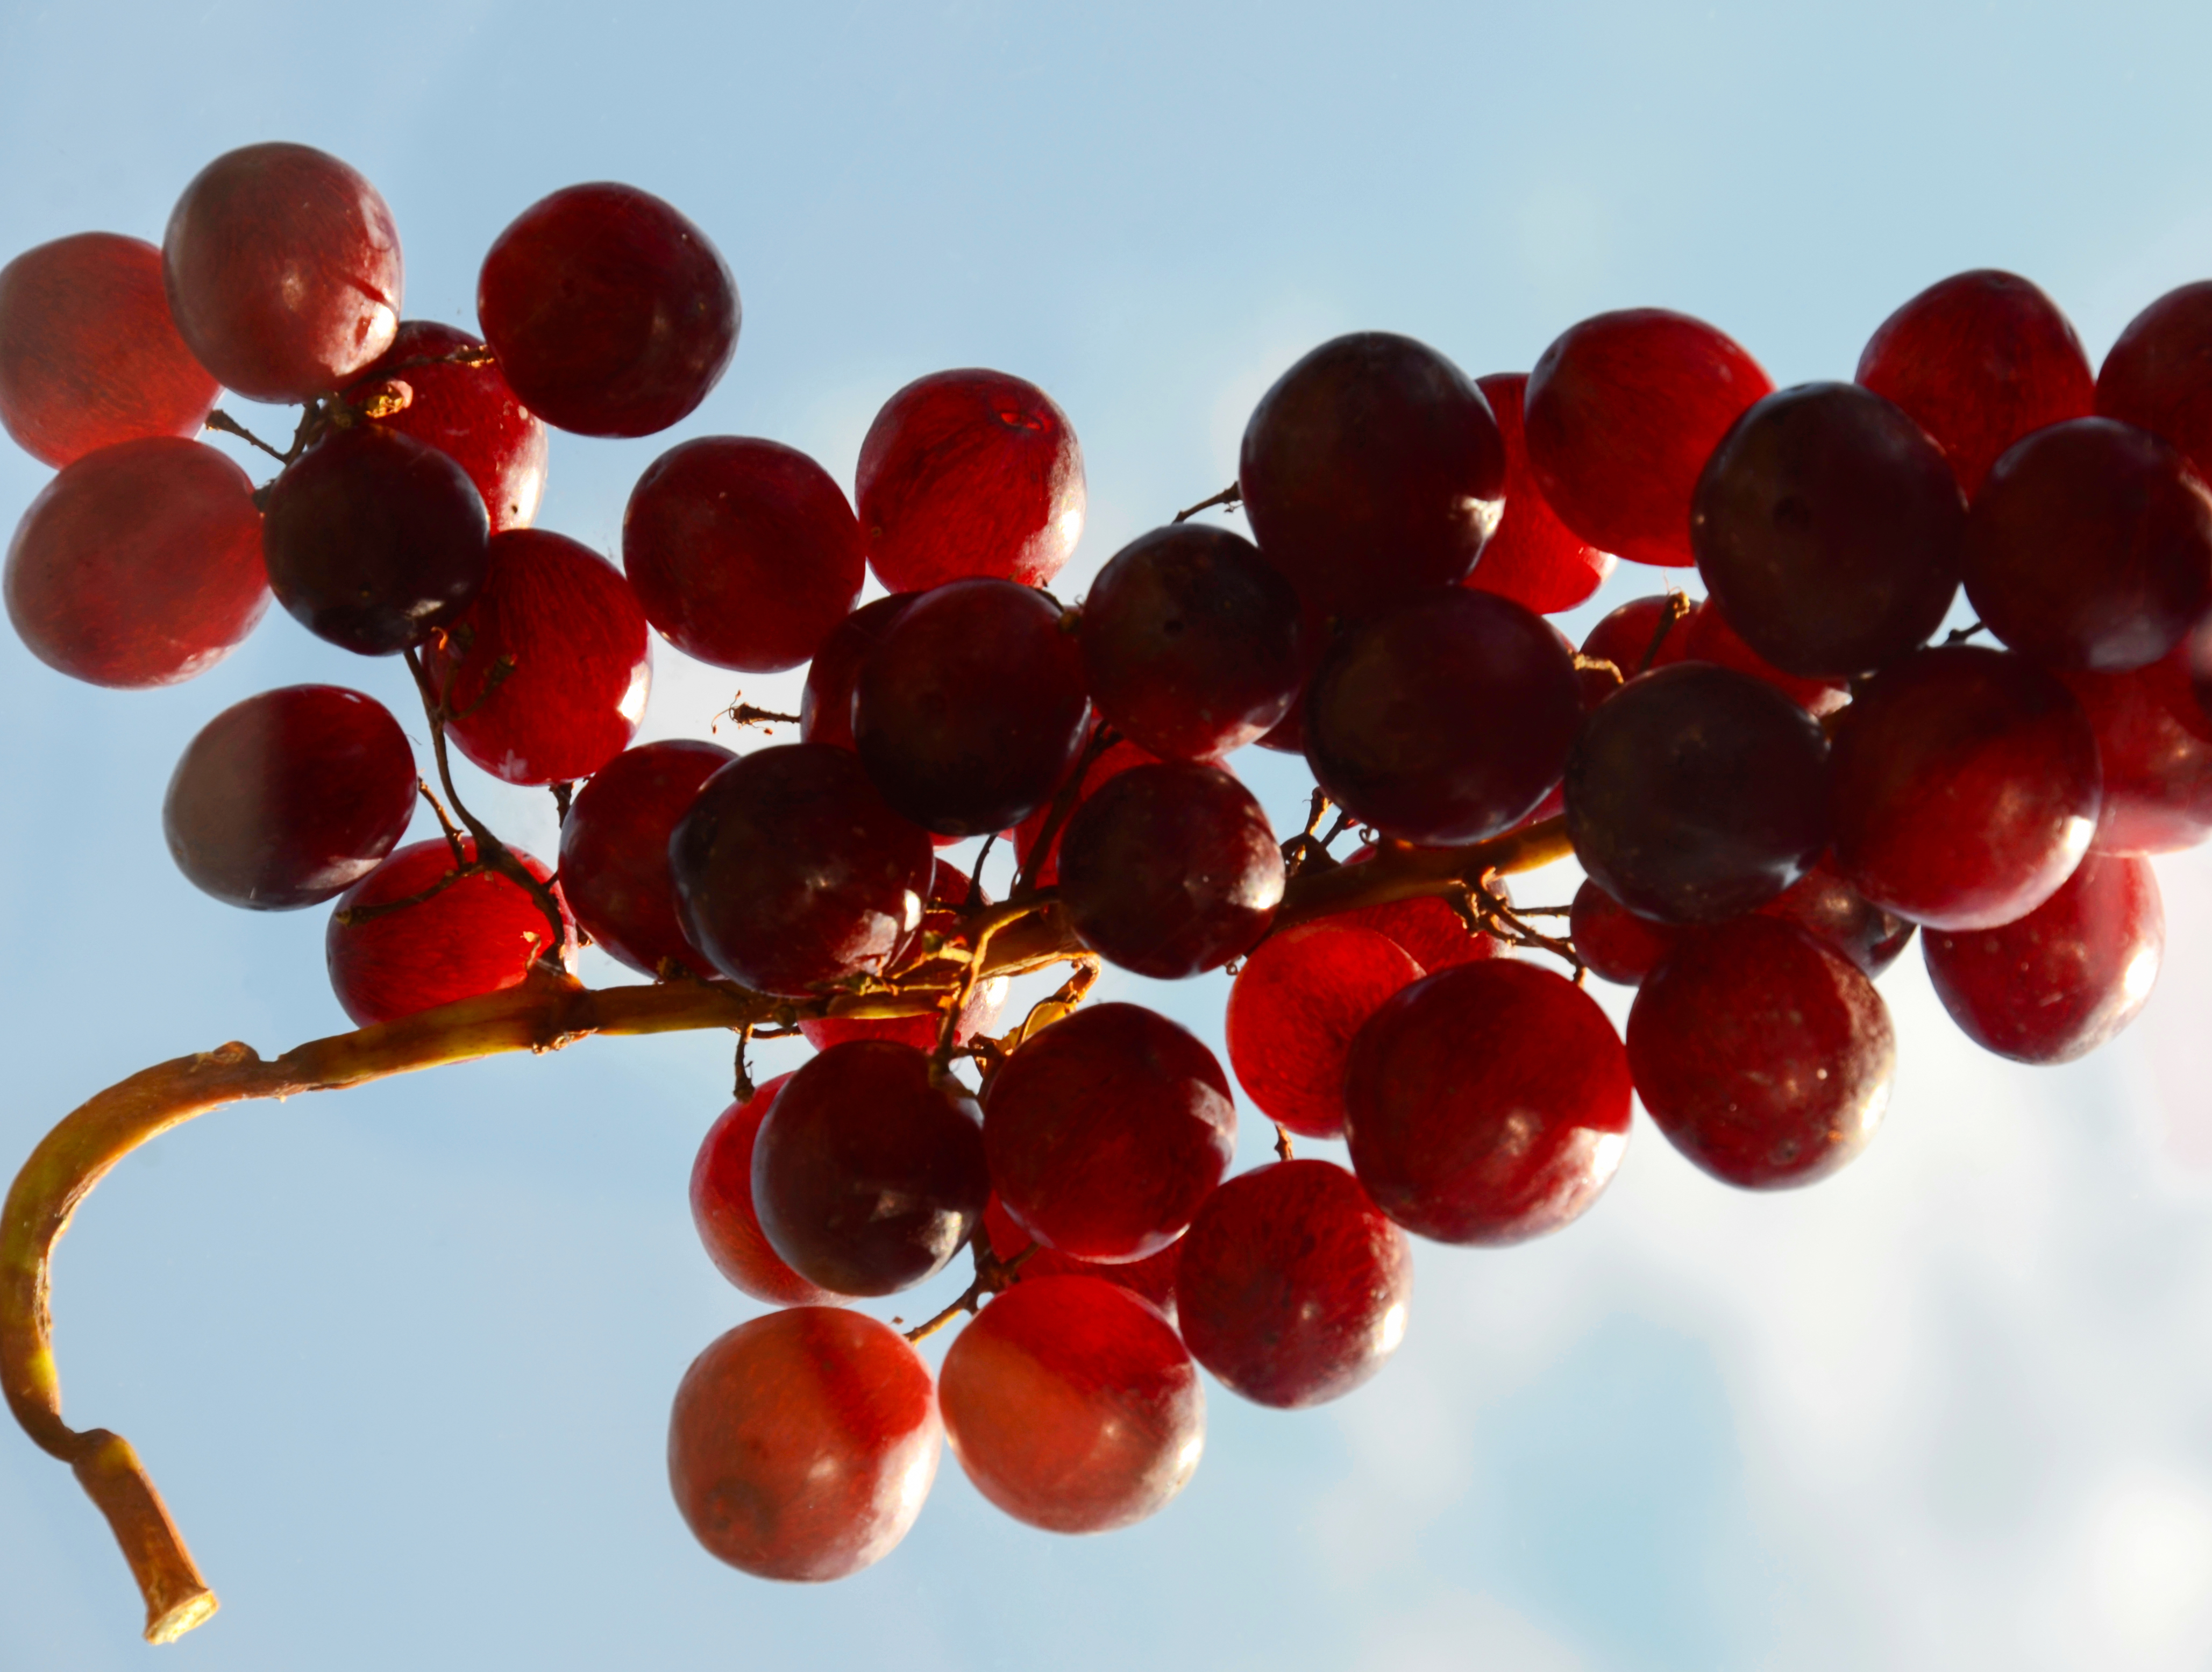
x=1768 y=791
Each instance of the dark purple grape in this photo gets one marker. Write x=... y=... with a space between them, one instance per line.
x=2090 y=546
x=290 y=796
x=1829 y=527
x=868 y=1176
x=968 y=712
x=2063 y=979
x=790 y=872
x=825 y=704
x=1763 y=1055
x=1191 y=642
x=374 y=540
x=1170 y=869
x=1445 y=719
x=1372 y=471
x=1697 y=793
x=1830 y=909
x=614 y=852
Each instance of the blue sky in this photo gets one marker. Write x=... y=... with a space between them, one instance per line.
x=401 y=1358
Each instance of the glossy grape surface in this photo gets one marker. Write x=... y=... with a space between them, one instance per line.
x=2154 y=748
x=614 y=852
x=1429 y=931
x=1706 y=636
x=1763 y=1054
x=374 y=540
x=743 y=551
x=790 y=871
x=1372 y=471
x=88 y=353
x=610 y=313
x=825 y=704
x=969 y=472
x=722 y=1207
x=1980 y=360
x=971 y=707
x=478 y=935
x=1697 y=793
x=283 y=271
x=1152 y=1277
x=138 y=565
x=1534 y=558
x=1191 y=642
x=1963 y=787
x=1106 y=1130
x=803 y=1444
x=1073 y=1405
x=2065 y=978
x=1830 y=528
x=467 y=412
x=547 y=672
x=867 y=1178
x=1831 y=910
x=1486 y=1103
x=1444 y=720
x=2155 y=376
x=1622 y=411
x=1293 y=1286
x=1296 y=1005
x=289 y=797
x=2090 y=545
x=1170 y=869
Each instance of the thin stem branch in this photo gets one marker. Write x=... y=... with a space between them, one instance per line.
x=1232 y=494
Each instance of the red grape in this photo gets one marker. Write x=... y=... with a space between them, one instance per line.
x=1621 y=413
x=88 y=353
x=2064 y=979
x=867 y=1174
x=2090 y=545
x=1445 y=719
x=1170 y=869
x=2155 y=747
x=968 y=710
x=1763 y=1055
x=547 y=673
x=1153 y=1277
x=1830 y=909
x=2154 y=377
x=825 y=705
x=790 y=872
x=289 y=797
x=140 y=564
x=1116 y=758
x=722 y=1206
x=1616 y=944
x=1698 y=792
x=948 y=891
x=611 y=315
x=1372 y=471
x=1073 y=1405
x=1534 y=558
x=283 y=271
x=478 y=935
x=1293 y=1286
x=1190 y=643
x=1106 y=1130
x=614 y=852
x=1631 y=637
x=374 y=540
x=1980 y=360
x=1486 y=1103
x=1830 y=527
x=1706 y=636
x=970 y=473
x=467 y=412
x=803 y=1444
x=1431 y=932
x=1963 y=787
x=744 y=552
x=1297 y=1001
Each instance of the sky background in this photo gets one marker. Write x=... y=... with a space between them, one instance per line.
x=401 y=1358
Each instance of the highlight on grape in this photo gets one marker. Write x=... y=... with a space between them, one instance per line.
x=1769 y=793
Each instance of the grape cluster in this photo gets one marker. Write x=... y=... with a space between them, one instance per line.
x=1768 y=791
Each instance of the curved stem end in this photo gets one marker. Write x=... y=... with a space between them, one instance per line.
x=177 y=1598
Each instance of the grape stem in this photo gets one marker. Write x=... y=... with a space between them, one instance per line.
x=1231 y=495
x=546 y=1011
